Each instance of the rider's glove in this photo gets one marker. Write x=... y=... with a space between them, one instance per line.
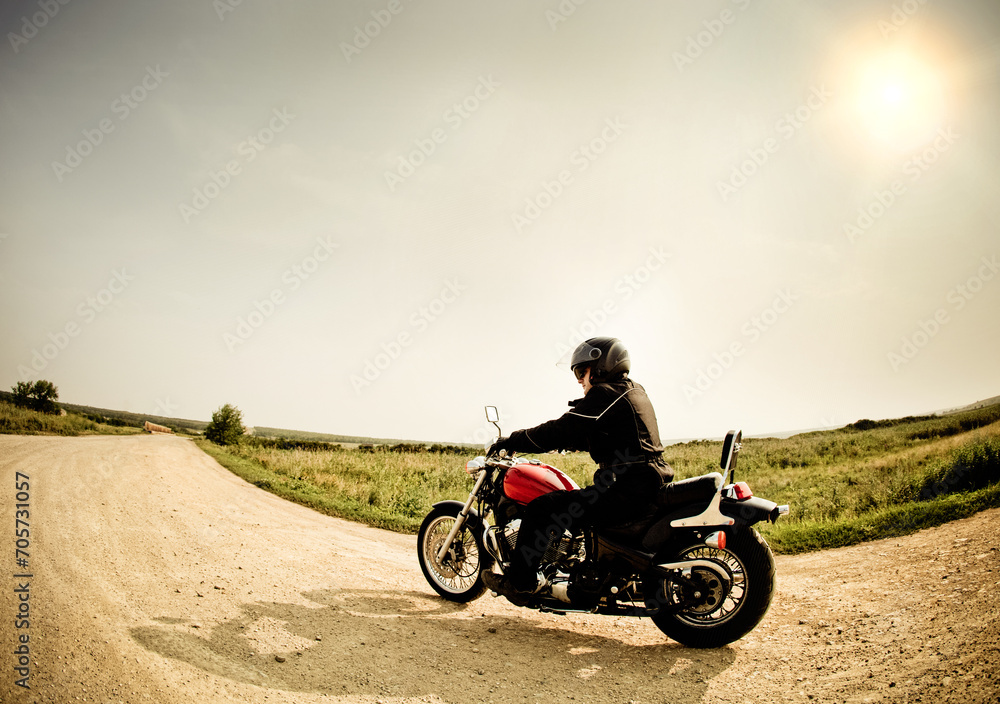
x=500 y=444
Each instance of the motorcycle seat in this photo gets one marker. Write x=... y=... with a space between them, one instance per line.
x=691 y=494
x=690 y=491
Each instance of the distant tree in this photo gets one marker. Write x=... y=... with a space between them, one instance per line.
x=226 y=427
x=21 y=392
x=38 y=396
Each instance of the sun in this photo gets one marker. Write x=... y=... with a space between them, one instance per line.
x=899 y=100
x=893 y=93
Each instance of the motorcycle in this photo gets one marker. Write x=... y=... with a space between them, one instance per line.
x=697 y=567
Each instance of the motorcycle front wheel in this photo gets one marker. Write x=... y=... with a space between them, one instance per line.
x=722 y=616
x=457 y=576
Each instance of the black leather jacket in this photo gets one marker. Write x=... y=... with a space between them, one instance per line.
x=614 y=422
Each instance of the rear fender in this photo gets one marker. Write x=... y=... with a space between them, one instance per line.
x=662 y=531
x=679 y=539
x=749 y=511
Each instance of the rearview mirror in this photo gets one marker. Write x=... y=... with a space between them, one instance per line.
x=493 y=416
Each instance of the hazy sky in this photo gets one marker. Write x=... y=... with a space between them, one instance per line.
x=374 y=218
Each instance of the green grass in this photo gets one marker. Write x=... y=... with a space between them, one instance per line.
x=807 y=535
x=392 y=490
x=109 y=416
x=870 y=480
x=23 y=421
x=846 y=486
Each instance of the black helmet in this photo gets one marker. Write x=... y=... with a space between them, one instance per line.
x=606 y=357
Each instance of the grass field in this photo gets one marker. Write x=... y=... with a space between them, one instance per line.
x=869 y=480
x=22 y=421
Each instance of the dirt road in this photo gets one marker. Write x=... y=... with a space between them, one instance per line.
x=158 y=576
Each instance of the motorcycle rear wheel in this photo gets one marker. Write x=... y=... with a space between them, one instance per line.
x=751 y=563
x=456 y=577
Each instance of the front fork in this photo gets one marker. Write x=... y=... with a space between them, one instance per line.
x=462 y=515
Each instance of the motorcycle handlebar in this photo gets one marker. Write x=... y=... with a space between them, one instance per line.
x=500 y=459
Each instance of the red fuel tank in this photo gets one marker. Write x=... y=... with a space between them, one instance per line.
x=526 y=481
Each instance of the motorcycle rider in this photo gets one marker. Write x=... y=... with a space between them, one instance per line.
x=616 y=424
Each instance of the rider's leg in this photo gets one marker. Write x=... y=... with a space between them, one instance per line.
x=543 y=520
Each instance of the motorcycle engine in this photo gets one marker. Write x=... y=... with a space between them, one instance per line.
x=500 y=540
x=561 y=548
x=510 y=536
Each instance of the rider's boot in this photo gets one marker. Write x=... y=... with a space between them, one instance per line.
x=504 y=585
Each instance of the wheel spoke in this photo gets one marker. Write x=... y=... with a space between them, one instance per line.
x=732 y=601
x=459 y=569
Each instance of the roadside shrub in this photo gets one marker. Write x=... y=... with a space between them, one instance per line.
x=973 y=466
x=114 y=422
x=226 y=427
x=288 y=444
x=868 y=424
x=970 y=467
x=940 y=432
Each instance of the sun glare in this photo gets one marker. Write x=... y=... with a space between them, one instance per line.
x=893 y=93
x=899 y=100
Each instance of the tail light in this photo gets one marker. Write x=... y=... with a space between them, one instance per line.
x=742 y=491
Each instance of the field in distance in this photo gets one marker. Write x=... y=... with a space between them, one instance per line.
x=102 y=419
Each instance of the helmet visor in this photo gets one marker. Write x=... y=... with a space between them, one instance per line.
x=579 y=359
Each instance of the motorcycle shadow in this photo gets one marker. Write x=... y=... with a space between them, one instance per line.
x=412 y=644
